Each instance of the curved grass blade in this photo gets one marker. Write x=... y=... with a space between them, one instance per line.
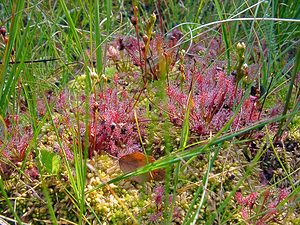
x=289 y=94
x=5 y=87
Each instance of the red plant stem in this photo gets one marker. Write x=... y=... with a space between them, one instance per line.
x=136 y=28
x=252 y=109
x=269 y=216
x=94 y=130
x=210 y=111
x=136 y=101
x=160 y=17
x=138 y=42
x=145 y=67
x=218 y=107
x=235 y=90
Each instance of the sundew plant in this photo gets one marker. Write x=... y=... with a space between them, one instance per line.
x=149 y=112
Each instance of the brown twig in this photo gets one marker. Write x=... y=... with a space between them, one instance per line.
x=33 y=61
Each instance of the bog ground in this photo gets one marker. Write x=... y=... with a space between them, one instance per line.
x=149 y=112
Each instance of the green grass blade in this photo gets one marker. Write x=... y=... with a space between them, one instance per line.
x=225 y=35
x=11 y=208
x=183 y=143
x=188 y=218
x=289 y=93
x=99 y=63
x=14 y=30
